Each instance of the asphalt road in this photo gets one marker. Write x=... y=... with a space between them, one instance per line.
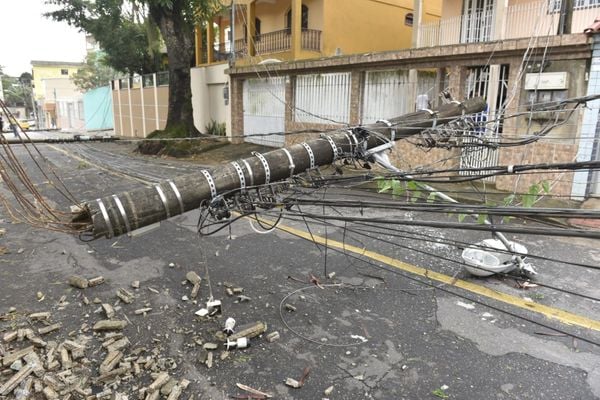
x=375 y=330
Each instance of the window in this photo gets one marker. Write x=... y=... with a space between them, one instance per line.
x=554 y=5
x=256 y=30
x=408 y=19
x=304 y=19
x=64 y=71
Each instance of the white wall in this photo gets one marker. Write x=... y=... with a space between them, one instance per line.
x=207 y=96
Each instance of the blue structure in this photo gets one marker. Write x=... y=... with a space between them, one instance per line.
x=98 y=109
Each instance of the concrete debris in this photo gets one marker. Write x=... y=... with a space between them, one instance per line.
x=292 y=383
x=289 y=307
x=250 y=332
x=109 y=325
x=135 y=284
x=78 y=282
x=108 y=310
x=125 y=295
x=96 y=281
x=40 y=316
x=273 y=336
x=242 y=298
x=253 y=391
x=328 y=391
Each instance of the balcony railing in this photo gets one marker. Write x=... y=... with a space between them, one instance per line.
x=535 y=18
x=272 y=42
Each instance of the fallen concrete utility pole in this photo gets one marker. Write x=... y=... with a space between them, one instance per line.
x=120 y=214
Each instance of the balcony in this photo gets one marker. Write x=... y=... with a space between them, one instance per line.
x=280 y=41
x=523 y=20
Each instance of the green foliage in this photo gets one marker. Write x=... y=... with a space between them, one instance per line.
x=216 y=128
x=119 y=26
x=440 y=393
x=17 y=91
x=96 y=72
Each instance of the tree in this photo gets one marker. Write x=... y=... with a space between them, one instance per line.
x=17 y=91
x=96 y=72
x=123 y=28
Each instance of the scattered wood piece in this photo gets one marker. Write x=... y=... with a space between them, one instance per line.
x=289 y=307
x=195 y=290
x=253 y=391
x=50 y=328
x=119 y=344
x=110 y=375
x=109 y=325
x=99 y=280
x=143 y=310
x=253 y=330
x=78 y=282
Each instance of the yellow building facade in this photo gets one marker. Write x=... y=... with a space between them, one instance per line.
x=287 y=30
x=51 y=70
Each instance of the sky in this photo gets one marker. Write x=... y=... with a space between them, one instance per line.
x=27 y=35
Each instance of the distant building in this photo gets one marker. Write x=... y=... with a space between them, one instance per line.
x=60 y=102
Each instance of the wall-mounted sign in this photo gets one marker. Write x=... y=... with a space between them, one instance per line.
x=547 y=81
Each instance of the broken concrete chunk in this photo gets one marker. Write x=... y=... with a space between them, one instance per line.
x=193 y=277
x=96 y=281
x=16 y=355
x=251 y=331
x=39 y=316
x=109 y=325
x=292 y=383
x=111 y=361
x=209 y=360
x=108 y=310
x=195 y=291
x=78 y=282
x=210 y=346
x=160 y=380
x=273 y=336
x=15 y=380
x=125 y=295
x=175 y=393
x=135 y=284
x=50 y=328
x=10 y=336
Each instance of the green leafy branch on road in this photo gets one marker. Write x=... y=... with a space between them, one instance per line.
x=414 y=192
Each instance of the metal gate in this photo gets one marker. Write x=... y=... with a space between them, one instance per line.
x=264 y=111
x=323 y=98
x=389 y=93
x=490 y=82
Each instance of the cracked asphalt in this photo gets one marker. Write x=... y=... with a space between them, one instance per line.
x=372 y=332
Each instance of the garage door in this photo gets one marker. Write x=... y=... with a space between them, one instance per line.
x=264 y=111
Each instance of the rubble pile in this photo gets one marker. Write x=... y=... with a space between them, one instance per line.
x=97 y=360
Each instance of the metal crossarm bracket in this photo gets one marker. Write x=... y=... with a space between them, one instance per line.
x=265 y=164
x=240 y=173
x=211 y=183
x=311 y=155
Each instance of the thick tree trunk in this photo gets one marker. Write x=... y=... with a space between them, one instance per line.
x=179 y=39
